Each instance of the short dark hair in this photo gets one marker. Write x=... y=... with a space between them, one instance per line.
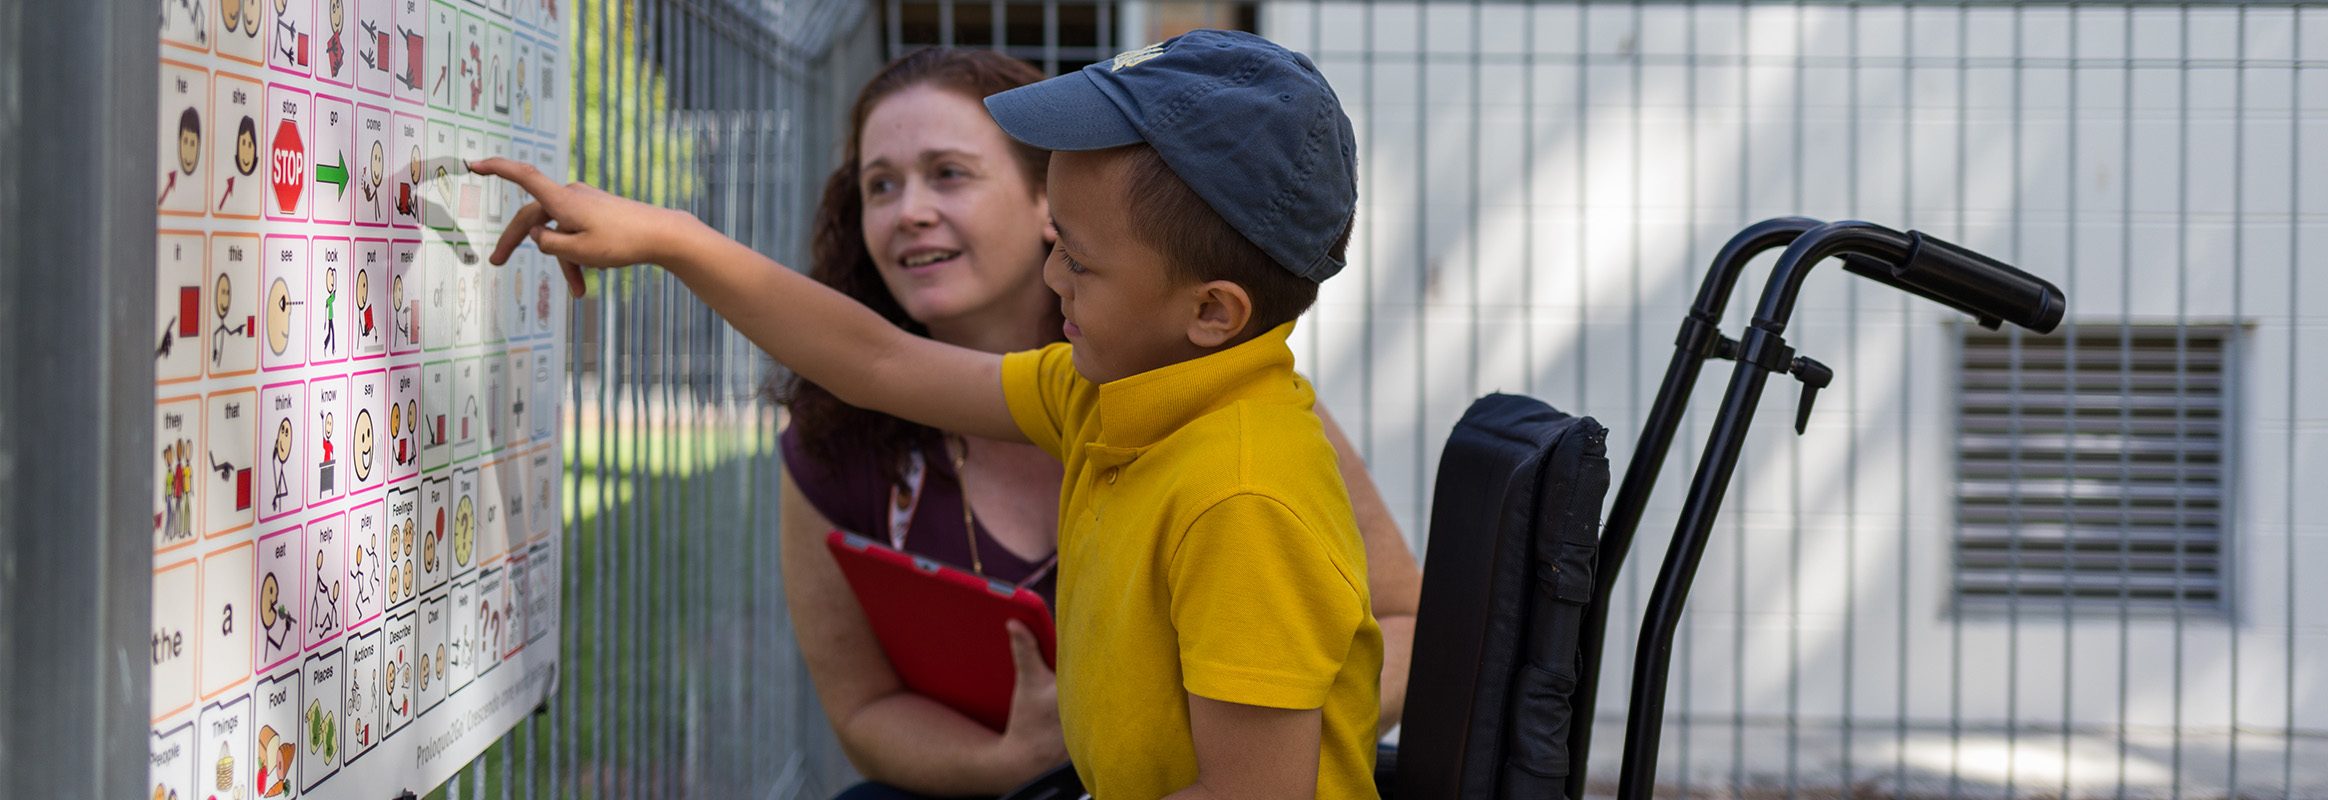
x=190 y=122
x=1202 y=246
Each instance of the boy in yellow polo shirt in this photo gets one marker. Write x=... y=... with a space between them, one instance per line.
x=1216 y=638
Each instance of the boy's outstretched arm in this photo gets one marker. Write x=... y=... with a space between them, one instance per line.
x=1247 y=751
x=807 y=326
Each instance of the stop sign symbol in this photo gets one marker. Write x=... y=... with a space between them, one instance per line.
x=288 y=174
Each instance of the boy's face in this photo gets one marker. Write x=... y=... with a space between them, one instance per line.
x=1126 y=311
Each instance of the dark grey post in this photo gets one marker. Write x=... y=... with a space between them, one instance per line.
x=78 y=84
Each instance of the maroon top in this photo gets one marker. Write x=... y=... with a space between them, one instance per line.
x=854 y=495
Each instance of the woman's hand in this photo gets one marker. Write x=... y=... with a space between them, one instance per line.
x=1032 y=737
x=580 y=225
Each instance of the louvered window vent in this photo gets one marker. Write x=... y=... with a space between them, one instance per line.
x=2092 y=476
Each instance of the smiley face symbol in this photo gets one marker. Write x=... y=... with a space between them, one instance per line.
x=364 y=445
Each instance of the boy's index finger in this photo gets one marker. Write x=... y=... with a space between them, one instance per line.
x=520 y=224
x=524 y=175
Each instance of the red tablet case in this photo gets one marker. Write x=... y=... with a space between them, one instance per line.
x=942 y=626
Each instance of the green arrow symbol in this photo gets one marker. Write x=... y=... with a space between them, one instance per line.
x=336 y=175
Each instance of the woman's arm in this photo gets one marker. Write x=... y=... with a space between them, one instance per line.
x=1392 y=579
x=890 y=734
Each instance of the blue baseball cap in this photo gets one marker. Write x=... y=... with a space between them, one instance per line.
x=1249 y=125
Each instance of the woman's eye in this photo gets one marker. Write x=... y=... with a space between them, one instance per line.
x=878 y=186
x=951 y=172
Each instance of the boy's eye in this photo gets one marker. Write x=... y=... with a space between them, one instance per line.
x=1073 y=265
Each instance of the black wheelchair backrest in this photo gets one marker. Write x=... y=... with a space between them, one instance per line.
x=1514 y=525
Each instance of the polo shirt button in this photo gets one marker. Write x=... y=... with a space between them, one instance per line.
x=1110 y=475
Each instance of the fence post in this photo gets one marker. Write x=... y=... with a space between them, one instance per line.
x=78 y=84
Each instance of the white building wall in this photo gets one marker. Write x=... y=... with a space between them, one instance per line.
x=1543 y=185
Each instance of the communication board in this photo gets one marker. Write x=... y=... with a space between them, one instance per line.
x=356 y=497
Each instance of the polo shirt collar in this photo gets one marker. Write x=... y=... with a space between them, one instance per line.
x=1140 y=410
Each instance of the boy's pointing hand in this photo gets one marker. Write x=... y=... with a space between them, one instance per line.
x=576 y=223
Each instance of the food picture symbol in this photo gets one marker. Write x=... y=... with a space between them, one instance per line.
x=323 y=604
x=225 y=779
x=282 y=461
x=164 y=793
x=176 y=519
x=223 y=299
x=326 y=466
x=290 y=43
x=334 y=53
x=189 y=152
x=246 y=156
x=464 y=531
x=275 y=753
x=275 y=622
x=364 y=445
x=279 y=304
x=322 y=731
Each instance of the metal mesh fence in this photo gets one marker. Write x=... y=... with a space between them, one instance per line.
x=1994 y=566
x=679 y=675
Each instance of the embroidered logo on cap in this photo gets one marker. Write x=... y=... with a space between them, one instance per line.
x=1131 y=58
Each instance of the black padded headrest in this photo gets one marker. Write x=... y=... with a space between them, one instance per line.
x=1515 y=522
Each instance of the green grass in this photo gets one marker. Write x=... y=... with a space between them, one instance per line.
x=686 y=500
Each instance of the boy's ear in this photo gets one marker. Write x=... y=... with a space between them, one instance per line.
x=1043 y=212
x=1222 y=310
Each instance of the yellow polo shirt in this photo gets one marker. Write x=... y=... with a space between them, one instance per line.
x=1206 y=547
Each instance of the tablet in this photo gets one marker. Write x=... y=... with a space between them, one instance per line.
x=941 y=626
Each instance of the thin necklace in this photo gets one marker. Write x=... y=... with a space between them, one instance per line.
x=959 y=448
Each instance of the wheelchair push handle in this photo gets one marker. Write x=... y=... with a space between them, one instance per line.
x=1982 y=285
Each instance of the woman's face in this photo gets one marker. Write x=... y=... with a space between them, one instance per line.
x=950 y=220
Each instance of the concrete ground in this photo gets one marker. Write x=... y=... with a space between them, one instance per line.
x=1758 y=760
